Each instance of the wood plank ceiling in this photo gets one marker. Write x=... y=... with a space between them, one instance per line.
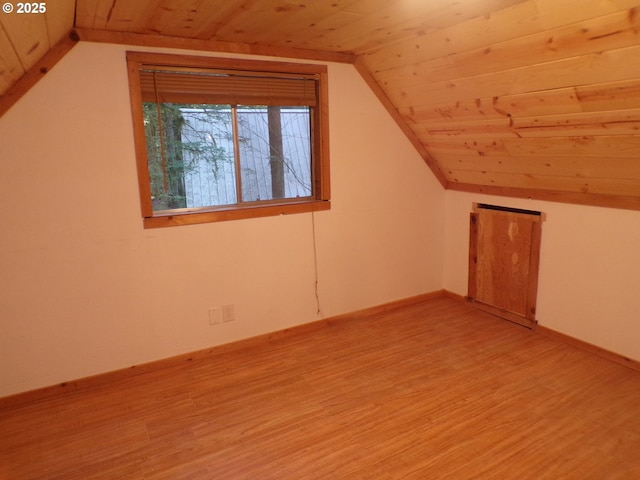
x=530 y=98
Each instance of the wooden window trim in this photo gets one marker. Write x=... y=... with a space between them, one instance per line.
x=319 y=131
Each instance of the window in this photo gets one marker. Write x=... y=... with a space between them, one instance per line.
x=222 y=139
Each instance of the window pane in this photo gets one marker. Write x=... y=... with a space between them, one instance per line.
x=192 y=164
x=191 y=161
x=275 y=152
x=207 y=137
x=164 y=155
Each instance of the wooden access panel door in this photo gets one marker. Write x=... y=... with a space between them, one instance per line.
x=504 y=256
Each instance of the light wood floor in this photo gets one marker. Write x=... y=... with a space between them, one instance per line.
x=433 y=391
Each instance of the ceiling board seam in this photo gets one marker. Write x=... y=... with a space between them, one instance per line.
x=509 y=38
x=513 y=85
x=547 y=37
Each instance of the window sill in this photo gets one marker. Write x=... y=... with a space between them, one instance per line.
x=221 y=215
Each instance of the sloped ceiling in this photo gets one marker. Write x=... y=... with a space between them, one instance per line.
x=529 y=98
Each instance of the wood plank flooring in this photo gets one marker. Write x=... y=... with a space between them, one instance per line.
x=437 y=390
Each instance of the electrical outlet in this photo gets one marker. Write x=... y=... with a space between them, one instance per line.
x=228 y=313
x=215 y=315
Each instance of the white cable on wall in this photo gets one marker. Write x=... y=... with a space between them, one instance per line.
x=315 y=262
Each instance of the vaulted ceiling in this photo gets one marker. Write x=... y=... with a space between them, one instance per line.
x=528 y=98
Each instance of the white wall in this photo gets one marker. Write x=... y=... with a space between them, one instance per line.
x=589 y=281
x=84 y=289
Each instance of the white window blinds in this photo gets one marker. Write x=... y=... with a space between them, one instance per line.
x=228 y=87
